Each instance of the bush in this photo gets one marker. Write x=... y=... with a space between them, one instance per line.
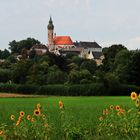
x=96 y=89
x=27 y=89
x=86 y=90
x=127 y=89
x=9 y=88
x=60 y=90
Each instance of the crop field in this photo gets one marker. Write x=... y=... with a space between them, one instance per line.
x=78 y=118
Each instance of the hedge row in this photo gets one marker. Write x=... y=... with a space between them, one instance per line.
x=96 y=89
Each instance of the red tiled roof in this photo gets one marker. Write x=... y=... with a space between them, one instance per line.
x=63 y=40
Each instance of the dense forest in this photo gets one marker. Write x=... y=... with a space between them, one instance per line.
x=120 y=67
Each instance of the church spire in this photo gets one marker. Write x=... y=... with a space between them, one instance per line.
x=50 y=25
x=50 y=34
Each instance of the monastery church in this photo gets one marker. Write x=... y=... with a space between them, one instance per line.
x=63 y=45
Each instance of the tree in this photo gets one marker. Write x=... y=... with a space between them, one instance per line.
x=135 y=68
x=77 y=60
x=73 y=66
x=60 y=61
x=17 y=46
x=122 y=65
x=90 y=65
x=74 y=77
x=5 y=75
x=111 y=83
x=20 y=71
x=83 y=76
x=86 y=76
x=55 y=75
x=4 y=54
x=110 y=54
x=38 y=74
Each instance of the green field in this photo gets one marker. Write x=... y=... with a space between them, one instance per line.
x=81 y=108
x=83 y=111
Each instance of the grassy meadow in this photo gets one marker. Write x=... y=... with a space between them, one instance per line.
x=79 y=116
x=83 y=109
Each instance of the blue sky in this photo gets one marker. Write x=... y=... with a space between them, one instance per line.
x=105 y=21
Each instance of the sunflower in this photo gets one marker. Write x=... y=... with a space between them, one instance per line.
x=133 y=95
x=19 y=118
x=36 y=112
x=38 y=106
x=129 y=110
x=46 y=125
x=117 y=107
x=60 y=103
x=1 y=132
x=111 y=107
x=101 y=118
x=104 y=112
x=28 y=117
x=18 y=122
x=12 y=117
x=137 y=102
x=43 y=116
x=119 y=113
x=22 y=113
x=32 y=120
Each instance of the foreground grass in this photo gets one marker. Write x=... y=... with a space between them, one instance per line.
x=83 y=111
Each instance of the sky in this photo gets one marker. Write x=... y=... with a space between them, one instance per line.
x=105 y=21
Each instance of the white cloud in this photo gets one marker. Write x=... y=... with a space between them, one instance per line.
x=131 y=44
x=134 y=43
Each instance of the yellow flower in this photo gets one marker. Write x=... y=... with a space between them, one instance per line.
x=139 y=95
x=12 y=117
x=105 y=112
x=111 y=107
x=46 y=125
x=117 y=107
x=137 y=102
x=43 y=116
x=19 y=118
x=129 y=110
x=38 y=106
x=1 y=132
x=28 y=117
x=22 y=113
x=60 y=103
x=133 y=95
x=32 y=120
x=36 y=112
x=122 y=111
x=119 y=113
x=18 y=122
x=101 y=118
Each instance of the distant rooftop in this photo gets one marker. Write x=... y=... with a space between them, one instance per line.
x=87 y=44
x=39 y=46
